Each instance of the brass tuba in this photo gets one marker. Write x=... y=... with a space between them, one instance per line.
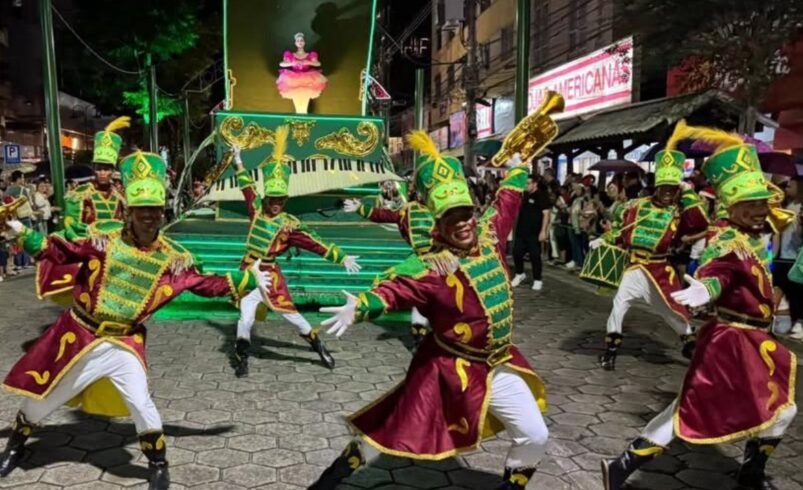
x=533 y=133
x=9 y=211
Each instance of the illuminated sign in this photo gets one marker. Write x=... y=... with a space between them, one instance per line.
x=485 y=121
x=596 y=81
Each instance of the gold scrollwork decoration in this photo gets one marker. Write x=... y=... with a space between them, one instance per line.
x=65 y=279
x=775 y=393
x=300 y=130
x=453 y=282
x=41 y=379
x=464 y=330
x=461 y=427
x=346 y=143
x=67 y=338
x=247 y=136
x=764 y=350
x=460 y=365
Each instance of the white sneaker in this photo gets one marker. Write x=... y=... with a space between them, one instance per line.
x=796 y=332
x=538 y=285
x=570 y=265
x=517 y=279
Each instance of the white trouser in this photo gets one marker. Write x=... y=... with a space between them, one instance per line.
x=512 y=403
x=636 y=285
x=661 y=430
x=416 y=318
x=106 y=360
x=248 y=313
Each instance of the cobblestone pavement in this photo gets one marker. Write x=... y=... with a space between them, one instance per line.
x=280 y=427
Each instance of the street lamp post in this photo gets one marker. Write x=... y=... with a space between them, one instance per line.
x=522 y=58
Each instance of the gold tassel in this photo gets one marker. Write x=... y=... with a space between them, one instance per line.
x=119 y=123
x=280 y=142
x=422 y=143
x=721 y=139
x=677 y=135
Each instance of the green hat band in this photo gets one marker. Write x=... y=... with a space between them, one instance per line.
x=736 y=175
x=277 y=179
x=107 y=147
x=747 y=186
x=148 y=192
x=143 y=177
x=669 y=167
x=447 y=196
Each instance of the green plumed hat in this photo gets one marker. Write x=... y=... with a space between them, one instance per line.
x=733 y=169
x=108 y=142
x=143 y=178
x=669 y=161
x=440 y=179
x=277 y=172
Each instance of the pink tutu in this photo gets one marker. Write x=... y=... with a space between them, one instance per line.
x=300 y=81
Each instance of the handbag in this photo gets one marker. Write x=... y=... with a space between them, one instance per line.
x=796 y=272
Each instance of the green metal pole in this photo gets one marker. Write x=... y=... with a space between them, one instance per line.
x=186 y=129
x=152 y=104
x=522 y=58
x=419 y=98
x=51 y=102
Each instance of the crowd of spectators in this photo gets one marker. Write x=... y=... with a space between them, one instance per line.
x=578 y=210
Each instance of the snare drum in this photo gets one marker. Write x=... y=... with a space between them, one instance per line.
x=605 y=266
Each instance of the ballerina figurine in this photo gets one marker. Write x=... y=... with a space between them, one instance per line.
x=300 y=78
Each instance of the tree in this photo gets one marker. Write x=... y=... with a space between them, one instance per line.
x=183 y=36
x=735 y=45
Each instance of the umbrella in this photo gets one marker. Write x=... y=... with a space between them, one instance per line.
x=615 y=166
x=487 y=148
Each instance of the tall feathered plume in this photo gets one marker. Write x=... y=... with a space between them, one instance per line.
x=121 y=122
x=422 y=143
x=280 y=142
x=717 y=138
x=677 y=135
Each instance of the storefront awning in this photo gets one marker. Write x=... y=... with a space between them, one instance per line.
x=640 y=118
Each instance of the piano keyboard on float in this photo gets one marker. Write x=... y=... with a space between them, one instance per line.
x=310 y=176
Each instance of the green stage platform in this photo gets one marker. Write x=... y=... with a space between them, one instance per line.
x=218 y=245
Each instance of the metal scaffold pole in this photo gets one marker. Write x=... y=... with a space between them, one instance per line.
x=153 y=124
x=52 y=102
x=522 y=58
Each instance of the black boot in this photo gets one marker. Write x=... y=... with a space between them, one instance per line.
x=756 y=453
x=689 y=344
x=155 y=449
x=345 y=464
x=419 y=333
x=241 y=349
x=516 y=478
x=612 y=343
x=616 y=471
x=316 y=344
x=15 y=447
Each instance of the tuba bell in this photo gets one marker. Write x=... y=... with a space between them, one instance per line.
x=9 y=211
x=533 y=133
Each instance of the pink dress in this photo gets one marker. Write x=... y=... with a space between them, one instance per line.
x=300 y=80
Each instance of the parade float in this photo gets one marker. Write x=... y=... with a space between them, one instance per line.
x=304 y=65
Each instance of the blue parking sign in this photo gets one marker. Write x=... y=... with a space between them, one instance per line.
x=11 y=154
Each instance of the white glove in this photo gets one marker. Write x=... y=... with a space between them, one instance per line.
x=15 y=228
x=343 y=316
x=351 y=205
x=694 y=296
x=235 y=151
x=514 y=161
x=686 y=186
x=351 y=265
x=596 y=243
x=262 y=277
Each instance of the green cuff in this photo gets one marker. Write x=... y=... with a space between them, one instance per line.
x=241 y=283
x=369 y=306
x=516 y=179
x=334 y=255
x=244 y=179
x=365 y=210
x=31 y=241
x=713 y=286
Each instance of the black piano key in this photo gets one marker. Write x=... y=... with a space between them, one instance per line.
x=313 y=166
x=295 y=167
x=348 y=164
